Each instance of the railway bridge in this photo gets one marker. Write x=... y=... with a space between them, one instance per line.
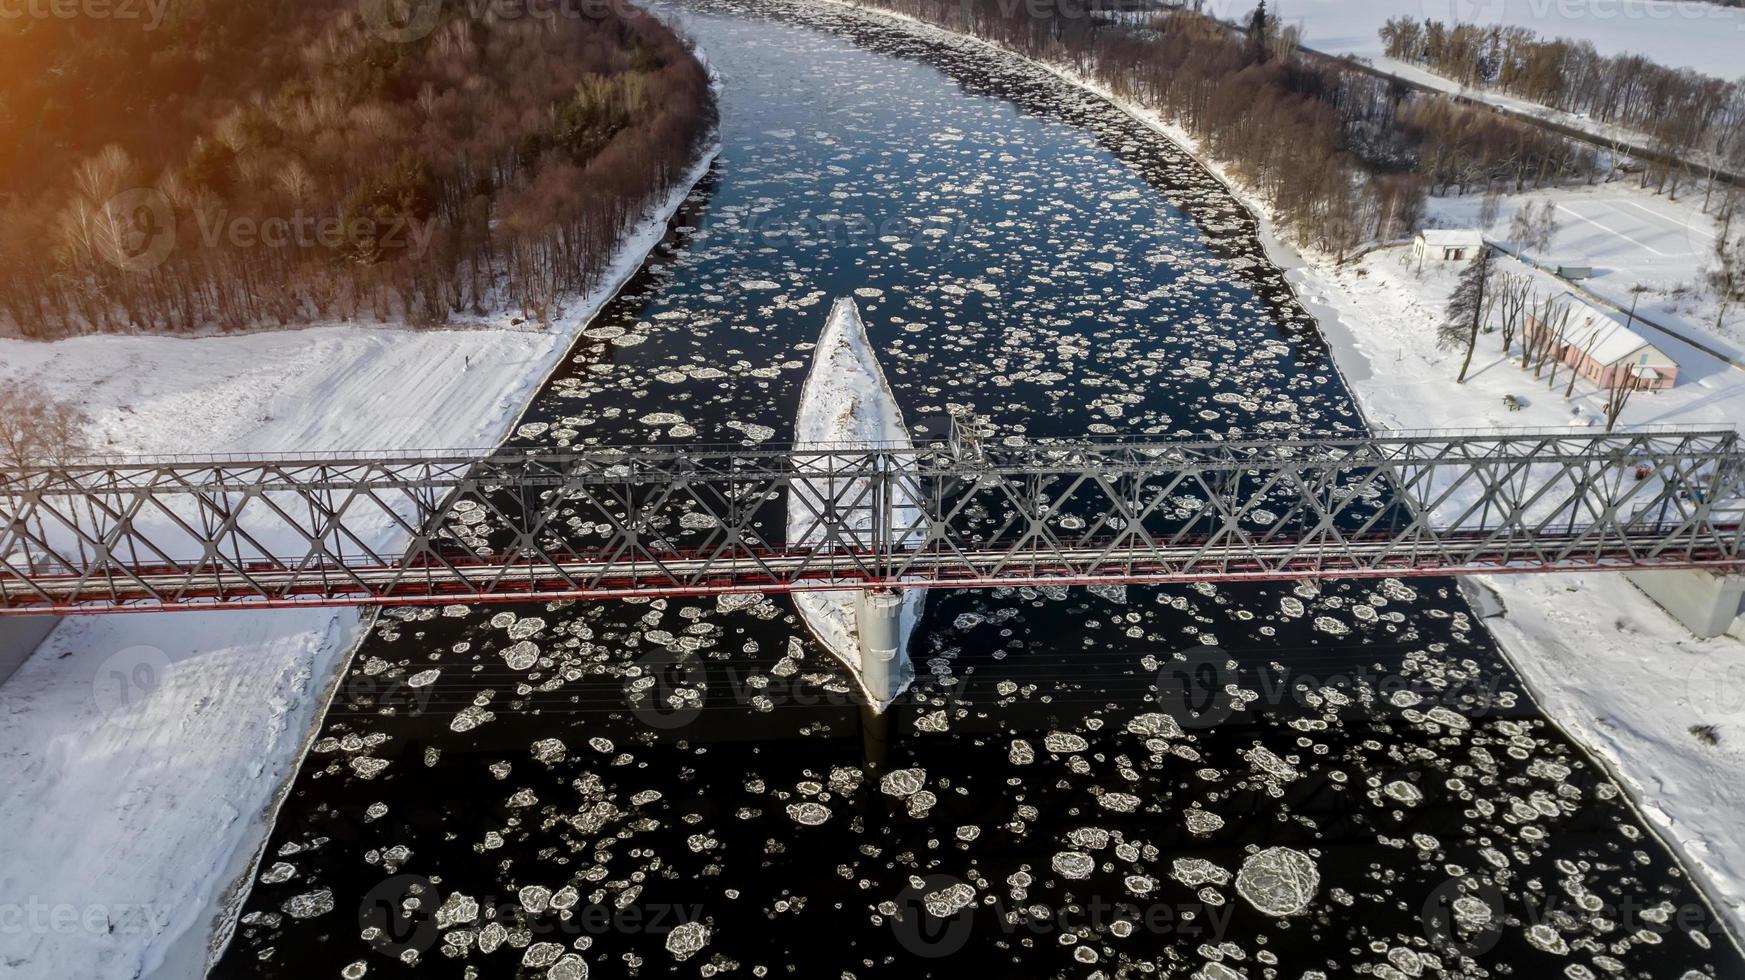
x=125 y=535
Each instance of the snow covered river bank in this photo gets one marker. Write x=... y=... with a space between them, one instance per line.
x=1234 y=781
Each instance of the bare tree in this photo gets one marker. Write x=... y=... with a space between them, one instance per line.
x=37 y=430
x=1553 y=318
x=1468 y=306
x=1726 y=273
x=1514 y=294
x=1619 y=397
x=1490 y=208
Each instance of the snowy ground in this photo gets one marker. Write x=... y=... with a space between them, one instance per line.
x=1381 y=314
x=142 y=755
x=1628 y=235
x=1617 y=672
x=1677 y=33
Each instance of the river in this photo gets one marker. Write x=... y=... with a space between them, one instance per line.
x=1236 y=781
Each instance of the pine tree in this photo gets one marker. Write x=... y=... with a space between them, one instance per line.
x=1259 y=26
x=1467 y=307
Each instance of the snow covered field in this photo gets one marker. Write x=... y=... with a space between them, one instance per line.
x=1616 y=671
x=1677 y=33
x=142 y=755
x=1380 y=313
x=1628 y=235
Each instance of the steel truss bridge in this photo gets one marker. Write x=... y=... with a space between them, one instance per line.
x=517 y=525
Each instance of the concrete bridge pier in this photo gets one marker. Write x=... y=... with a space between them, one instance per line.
x=19 y=638
x=884 y=663
x=1705 y=602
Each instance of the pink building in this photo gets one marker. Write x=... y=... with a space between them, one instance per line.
x=1606 y=352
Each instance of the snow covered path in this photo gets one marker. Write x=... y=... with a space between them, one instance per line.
x=1691 y=34
x=142 y=755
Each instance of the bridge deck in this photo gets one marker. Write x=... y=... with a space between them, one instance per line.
x=127 y=535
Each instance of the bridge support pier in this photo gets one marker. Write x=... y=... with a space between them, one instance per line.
x=1706 y=603
x=19 y=638
x=884 y=663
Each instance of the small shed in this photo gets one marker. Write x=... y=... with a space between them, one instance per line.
x=1447 y=245
x=1606 y=352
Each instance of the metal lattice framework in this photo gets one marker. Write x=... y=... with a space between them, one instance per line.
x=123 y=535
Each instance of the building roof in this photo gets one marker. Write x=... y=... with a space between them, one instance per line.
x=1601 y=336
x=1452 y=237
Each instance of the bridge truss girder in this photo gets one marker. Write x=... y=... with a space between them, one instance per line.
x=125 y=535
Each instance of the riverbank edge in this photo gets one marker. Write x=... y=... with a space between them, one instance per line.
x=1346 y=359
x=632 y=255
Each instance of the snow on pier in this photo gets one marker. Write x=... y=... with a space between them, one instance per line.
x=847 y=402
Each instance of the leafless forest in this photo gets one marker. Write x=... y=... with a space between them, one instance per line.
x=1683 y=113
x=252 y=163
x=1341 y=156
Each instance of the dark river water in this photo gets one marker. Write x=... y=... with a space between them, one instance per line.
x=1238 y=781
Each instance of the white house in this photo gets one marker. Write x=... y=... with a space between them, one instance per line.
x=1447 y=245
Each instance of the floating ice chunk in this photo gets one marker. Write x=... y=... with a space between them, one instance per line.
x=1064 y=742
x=535 y=898
x=1545 y=937
x=903 y=782
x=367 y=767
x=1119 y=802
x=1154 y=724
x=686 y=939
x=1073 y=864
x=524 y=628
x=1202 y=821
x=1194 y=872
x=280 y=872
x=1401 y=791
x=571 y=967
x=541 y=955
x=1278 y=881
x=457 y=910
x=522 y=655
x=948 y=901
x=309 y=904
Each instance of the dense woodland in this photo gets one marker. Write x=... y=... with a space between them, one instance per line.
x=1342 y=157
x=253 y=163
x=1683 y=113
